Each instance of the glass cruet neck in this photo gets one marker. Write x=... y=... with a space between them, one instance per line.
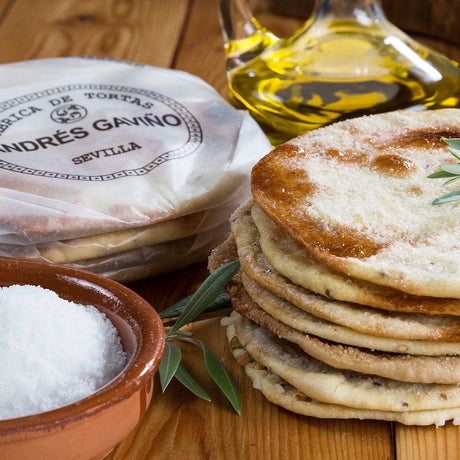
x=366 y=17
x=360 y=10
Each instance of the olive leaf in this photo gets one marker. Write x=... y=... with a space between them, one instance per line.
x=451 y=196
x=184 y=377
x=169 y=364
x=212 y=286
x=219 y=374
x=210 y=295
x=450 y=171
x=221 y=302
x=453 y=169
x=453 y=144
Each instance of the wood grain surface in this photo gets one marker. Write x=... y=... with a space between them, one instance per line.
x=185 y=35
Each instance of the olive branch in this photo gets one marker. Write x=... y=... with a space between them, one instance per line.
x=451 y=171
x=210 y=296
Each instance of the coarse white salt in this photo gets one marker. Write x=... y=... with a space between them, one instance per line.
x=52 y=352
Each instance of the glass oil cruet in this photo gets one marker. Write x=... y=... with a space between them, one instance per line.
x=347 y=60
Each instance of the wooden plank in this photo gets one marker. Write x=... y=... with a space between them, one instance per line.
x=179 y=425
x=201 y=51
x=4 y=6
x=427 y=443
x=142 y=31
x=166 y=289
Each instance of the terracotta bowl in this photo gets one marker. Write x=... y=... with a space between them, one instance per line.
x=91 y=427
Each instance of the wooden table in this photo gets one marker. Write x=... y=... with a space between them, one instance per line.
x=185 y=34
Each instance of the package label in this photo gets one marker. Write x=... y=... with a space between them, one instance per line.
x=98 y=132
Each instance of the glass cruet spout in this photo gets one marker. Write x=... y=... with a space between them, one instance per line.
x=347 y=60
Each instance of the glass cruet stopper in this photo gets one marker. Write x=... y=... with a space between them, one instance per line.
x=347 y=60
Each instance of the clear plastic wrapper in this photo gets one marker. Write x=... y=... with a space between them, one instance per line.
x=105 y=244
x=152 y=260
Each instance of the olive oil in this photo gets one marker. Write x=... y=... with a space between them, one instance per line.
x=336 y=68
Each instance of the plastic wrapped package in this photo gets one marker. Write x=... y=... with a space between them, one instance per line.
x=150 y=260
x=104 y=244
x=101 y=159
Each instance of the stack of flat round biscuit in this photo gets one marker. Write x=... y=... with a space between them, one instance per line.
x=347 y=303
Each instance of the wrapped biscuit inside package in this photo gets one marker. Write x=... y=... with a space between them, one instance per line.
x=123 y=169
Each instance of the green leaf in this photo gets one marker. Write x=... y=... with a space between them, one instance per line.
x=455 y=178
x=206 y=293
x=450 y=171
x=448 y=197
x=452 y=143
x=455 y=154
x=222 y=302
x=190 y=383
x=222 y=378
x=451 y=168
x=440 y=174
x=175 y=309
x=169 y=364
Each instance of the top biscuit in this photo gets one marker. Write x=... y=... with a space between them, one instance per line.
x=357 y=196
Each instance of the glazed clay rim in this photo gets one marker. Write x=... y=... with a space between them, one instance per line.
x=138 y=371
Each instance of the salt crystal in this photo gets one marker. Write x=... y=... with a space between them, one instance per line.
x=53 y=352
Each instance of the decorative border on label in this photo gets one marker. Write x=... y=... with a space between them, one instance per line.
x=192 y=144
